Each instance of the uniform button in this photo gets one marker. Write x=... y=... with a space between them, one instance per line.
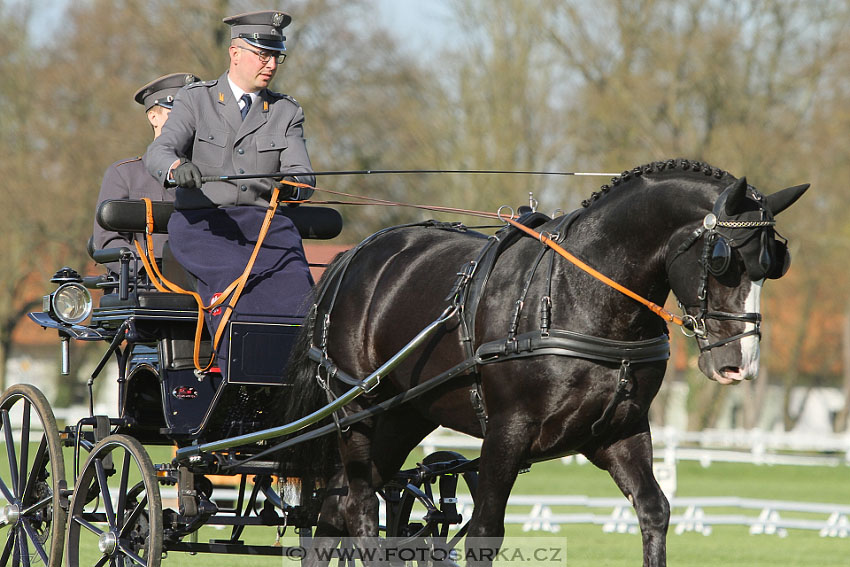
x=272 y=144
x=210 y=137
x=159 y=172
x=241 y=170
x=244 y=188
x=240 y=151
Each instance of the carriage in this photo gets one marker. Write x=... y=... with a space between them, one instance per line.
x=109 y=503
x=311 y=419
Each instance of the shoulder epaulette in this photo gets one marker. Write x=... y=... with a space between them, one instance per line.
x=128 y=160
x=284 y=96
x=209 y=83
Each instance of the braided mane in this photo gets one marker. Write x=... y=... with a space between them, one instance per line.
x=655 y=168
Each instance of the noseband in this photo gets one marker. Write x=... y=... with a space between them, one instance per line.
x=696 y=327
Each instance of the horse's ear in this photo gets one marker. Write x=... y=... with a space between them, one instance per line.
x=781 y=200
x=736 y=194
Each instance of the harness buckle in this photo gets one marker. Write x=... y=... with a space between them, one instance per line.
x=693 y=327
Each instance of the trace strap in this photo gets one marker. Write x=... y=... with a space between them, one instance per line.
x=655 y=308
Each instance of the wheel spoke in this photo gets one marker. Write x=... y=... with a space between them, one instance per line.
x=104 y=492
x=5 y=490
x=25 y=447
x=122 y=491
x=37 y=463
x=10 y=448
x=88 y=525
x=102 y=560
x=43 y=503
x=25 y=554
x=39 y=548
x=129 y=553
x=134 y=515
x=7 y=549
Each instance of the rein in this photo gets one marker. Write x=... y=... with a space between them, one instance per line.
x=685 y=323
x=232 y=291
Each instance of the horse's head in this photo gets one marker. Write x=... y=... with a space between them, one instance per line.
x=717 y=271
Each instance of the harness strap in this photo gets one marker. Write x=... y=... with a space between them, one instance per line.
x=657 y=309
x=233 y=291
x=620 y=393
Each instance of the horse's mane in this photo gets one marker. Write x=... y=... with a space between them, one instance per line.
x=680 y=166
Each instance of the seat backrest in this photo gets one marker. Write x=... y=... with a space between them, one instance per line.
x=125 y=215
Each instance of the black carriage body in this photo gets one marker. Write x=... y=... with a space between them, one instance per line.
x=162 y=400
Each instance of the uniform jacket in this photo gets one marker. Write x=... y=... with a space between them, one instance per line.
x=128 y=179
x=205 y=126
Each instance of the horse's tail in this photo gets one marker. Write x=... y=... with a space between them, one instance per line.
x=317 y=458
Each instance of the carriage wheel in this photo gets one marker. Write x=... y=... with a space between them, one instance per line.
x=32 y=522
x=116 y=511
x=428 y=511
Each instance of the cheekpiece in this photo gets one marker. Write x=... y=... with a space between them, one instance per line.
x=161 y=91
x=262 y=29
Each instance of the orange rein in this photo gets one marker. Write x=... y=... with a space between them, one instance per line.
x=655 y=308
x=233 y=291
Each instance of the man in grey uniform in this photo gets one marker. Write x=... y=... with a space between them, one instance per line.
x=128 y=178
x=236 y=125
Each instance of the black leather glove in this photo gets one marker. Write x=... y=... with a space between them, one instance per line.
x=187 y=175
x=292 y=193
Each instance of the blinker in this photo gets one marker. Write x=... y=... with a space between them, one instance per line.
x=772 y=262
x=721 y=256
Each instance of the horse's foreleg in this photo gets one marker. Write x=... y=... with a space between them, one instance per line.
x=629 y=462
x=502 y=456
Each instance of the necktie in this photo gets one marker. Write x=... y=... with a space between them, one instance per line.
x=246 y=98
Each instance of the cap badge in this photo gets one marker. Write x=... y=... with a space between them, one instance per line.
x=277 y=19
x=188 y=79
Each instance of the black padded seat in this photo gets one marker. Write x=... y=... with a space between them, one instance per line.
x=152 y=300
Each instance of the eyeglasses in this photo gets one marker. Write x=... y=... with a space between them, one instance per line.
x=265 y=56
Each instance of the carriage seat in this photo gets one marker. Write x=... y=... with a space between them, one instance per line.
x=126 y=215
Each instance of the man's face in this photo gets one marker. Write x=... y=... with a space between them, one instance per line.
x=157 y=116
x=246 y=68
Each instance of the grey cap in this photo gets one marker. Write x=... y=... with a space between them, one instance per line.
x=161 y=91
x=262 y=29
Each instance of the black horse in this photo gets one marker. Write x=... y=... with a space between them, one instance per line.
x=565 y=364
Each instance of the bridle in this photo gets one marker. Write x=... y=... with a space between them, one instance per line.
x=716 y=260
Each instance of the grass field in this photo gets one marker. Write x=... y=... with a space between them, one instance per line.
x=587 y=545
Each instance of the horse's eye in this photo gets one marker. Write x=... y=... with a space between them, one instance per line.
x=721 y=257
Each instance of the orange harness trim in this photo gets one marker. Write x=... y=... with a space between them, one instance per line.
x=657 y=309
x=233 y=291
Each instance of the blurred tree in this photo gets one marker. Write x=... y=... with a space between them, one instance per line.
x=757 y=87
x=750 y=86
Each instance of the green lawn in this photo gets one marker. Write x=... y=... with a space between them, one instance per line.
x=587 y=545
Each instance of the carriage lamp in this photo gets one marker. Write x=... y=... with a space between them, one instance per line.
x=71 y=303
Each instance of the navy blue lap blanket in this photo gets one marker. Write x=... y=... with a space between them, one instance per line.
x=214 y=245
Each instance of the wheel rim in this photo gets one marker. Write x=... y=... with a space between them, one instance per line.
x=116 y=512
x=33 y=473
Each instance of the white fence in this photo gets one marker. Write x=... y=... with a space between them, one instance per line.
x=765 y=517
x=761 y=517
x=751 y=446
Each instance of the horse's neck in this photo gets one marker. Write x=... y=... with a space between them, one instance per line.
x=626 y=238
